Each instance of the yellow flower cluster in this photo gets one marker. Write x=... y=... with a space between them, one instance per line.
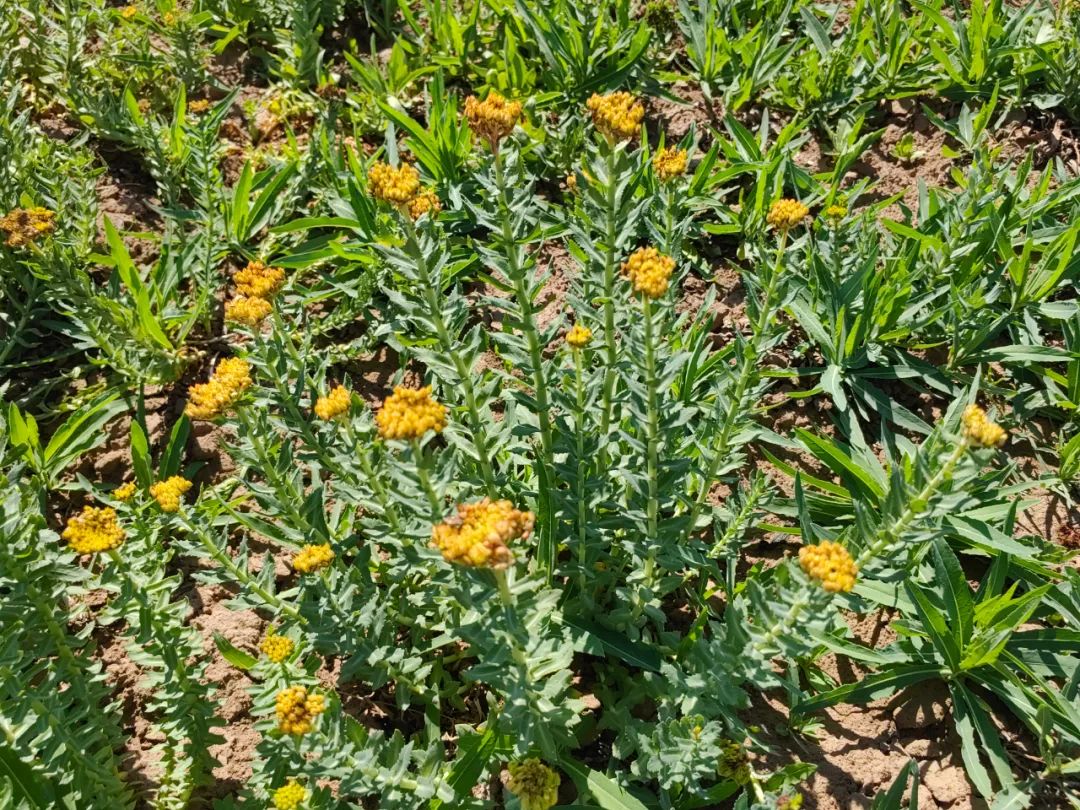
x=312 y=558
x=295 y=710
x=333 y=404
x=198 y=105
x=835 y=213
x=257 y=280
x=210 y=399
x=493 y=118
x=169 y=492
x=24 y=225
x=571 y=183
x=649 y=271
x=786 y=214
x=534 y=783
x=478 y=534
x=618 y=116
x=289 y=797
x=409 y=413
x=248 y=311
x=980 y=430
x=276 y=648
x=127 y=12
x=395 y=186
x=426 y=202
x=125 y=492
x=669 y=163
x=830 y=564
x=94 y=529
x=579 y=336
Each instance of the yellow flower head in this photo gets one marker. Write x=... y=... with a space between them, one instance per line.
x=210 y=399
x=534 y=783
x=259 y=281
x=830 y=564
x=409 y=413
x=127 y=12
x=289 y=797
x=579 y=336
x=835 y=213
x=395 y=186
x=312 y=558
x=94 y=529
x=478 y=534
x=980 y=430
x=426 y=202
x=169 y=492
x=125 y=492
x=171 y=18
x=333 y=404
x=786 y=214
x=649 y=271
x=248 y=311
x=669 y=163
x=25 y=225
x=198 y=105
x=493 y=118
x=277 y=648
x=571 y=183
x=296 y=709
x=618 y=116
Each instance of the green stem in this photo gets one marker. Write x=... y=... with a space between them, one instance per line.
x=652 y=440
x=582 y=465
x=238 y=573
x=609 y=295
x=915 y=507
x=422 y=460
x=747 y=371
x=546 y=546
x=377 y=487
x=430 y=292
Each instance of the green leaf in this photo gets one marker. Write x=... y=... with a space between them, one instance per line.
x=612 y=643
x=607 y=793
x=25 y=783
x=238 y=658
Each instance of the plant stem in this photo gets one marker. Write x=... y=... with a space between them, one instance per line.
x=431 y=293
x=582 y=465
x=422 y=460
x=377 y=487
x=609 y=296
x=747 y=369
x=546 y=546
x=652 y=439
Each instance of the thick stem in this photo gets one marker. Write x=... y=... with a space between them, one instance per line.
x=582 y=464
x=652 y=440
x=422 y=460
x=430 y=289
x=609 y=295
x=546 y=545
x=381 y=495
x=747 y=370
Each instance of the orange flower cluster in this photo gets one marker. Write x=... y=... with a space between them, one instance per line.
x=493 y=118
x=333 y=404
x=669 y=163
x=649 y=271
x=312 y=558
x=409 y=413
x=125 y=492
x=426 y=202
x=980 y=430
x=257 y=280
x=169 y=492
x=479 y=533
x=617 y=116
x=248 y=311
x=830 y=564
x=296 y=709
x=25 y=225
x=211 y=399
x=93 y=530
